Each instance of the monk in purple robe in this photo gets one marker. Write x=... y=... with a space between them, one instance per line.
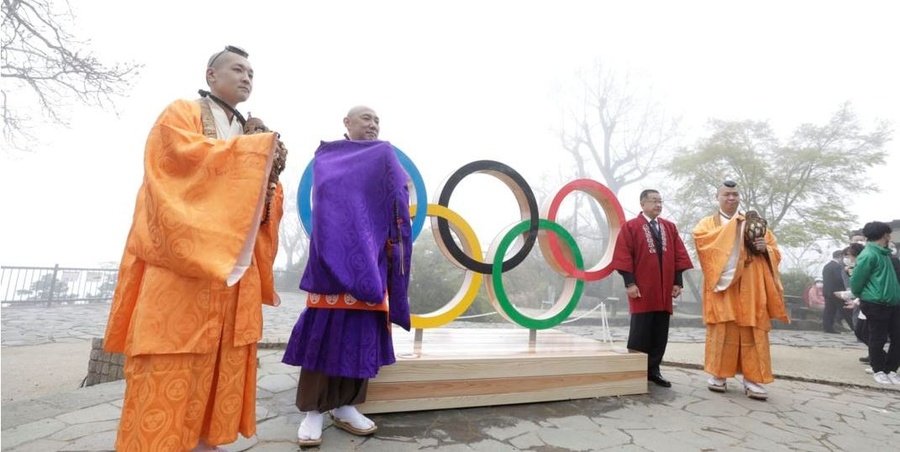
x=650 y=256
x=356 y=277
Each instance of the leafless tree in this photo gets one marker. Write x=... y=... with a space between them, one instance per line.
x=615 y=128
x=292 y=238
x=44 y=66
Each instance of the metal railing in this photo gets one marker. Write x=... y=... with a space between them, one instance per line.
x=51 y=285
x=64 y=285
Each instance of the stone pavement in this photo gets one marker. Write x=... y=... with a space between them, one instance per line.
x=821 y=400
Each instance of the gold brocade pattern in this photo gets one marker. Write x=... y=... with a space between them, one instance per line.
x=172 y=400
x=738 y=318
x=207 y=119
x=189 y=340
x=755 y=296
x=733 y=349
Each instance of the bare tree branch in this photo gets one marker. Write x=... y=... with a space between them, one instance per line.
x=292 y=240
x=614 y=131
x=43 y=66
x=617 y=131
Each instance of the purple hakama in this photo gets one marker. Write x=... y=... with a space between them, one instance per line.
x=361 y=245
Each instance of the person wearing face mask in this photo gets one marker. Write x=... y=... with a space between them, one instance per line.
x=861 y=327
x=876 y=283
x=851 y=302
x=815 y=297
x=850 y=257
x=833 y=282
x=895 y=260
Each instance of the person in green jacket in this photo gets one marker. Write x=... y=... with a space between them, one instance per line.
x=875 y=283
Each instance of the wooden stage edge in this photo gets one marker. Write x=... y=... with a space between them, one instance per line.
x=457 y=368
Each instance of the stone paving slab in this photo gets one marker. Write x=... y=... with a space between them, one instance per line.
x=799 y=416
x=821 y=400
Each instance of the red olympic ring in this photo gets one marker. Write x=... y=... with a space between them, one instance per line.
x=560 y=258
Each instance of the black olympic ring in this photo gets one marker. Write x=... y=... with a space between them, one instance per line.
x=527 y=206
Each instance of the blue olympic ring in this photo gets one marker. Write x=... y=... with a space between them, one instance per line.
x=304 y=194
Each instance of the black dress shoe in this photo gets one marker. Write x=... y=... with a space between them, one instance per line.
x=659 y=380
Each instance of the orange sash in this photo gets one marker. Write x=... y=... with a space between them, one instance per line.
x=347 y=301
x=343 y=301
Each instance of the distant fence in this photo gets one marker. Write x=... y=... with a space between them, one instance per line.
x=64 y=285
x=50 y=285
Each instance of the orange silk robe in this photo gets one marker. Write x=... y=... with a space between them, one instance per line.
x=738 y=318
x=197 y=207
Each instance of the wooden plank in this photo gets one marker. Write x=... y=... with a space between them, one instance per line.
x=457 y=368
x=628 y=387
x=476 y=368
x=486 y=386
x=463 y=342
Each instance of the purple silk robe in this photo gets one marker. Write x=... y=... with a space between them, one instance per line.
x=360 y=205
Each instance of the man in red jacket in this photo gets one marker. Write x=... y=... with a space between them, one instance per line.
x=650 y=256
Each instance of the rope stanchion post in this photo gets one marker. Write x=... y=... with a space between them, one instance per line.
x=417 y=342
x=604 y=324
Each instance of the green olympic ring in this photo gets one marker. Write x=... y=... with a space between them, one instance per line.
x=571 y=290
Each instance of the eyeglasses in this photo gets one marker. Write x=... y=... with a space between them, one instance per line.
x=232 y=49
x=729 y=183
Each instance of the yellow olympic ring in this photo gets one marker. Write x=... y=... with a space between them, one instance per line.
x=472 y=281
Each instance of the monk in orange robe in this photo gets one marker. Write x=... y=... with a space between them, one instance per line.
x=197 y=267
x=742 y=292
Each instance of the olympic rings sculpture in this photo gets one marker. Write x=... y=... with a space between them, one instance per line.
x=537 y=225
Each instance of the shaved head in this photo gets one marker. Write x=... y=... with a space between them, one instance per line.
x=214 y=62
x=362 y=123
x=229 y=76
x=358 y=109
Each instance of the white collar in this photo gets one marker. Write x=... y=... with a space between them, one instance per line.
x=224 y=129
x=648 y=218
x=726 y=218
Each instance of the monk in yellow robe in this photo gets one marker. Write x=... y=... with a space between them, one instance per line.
x=197 y=267
x=742 y=292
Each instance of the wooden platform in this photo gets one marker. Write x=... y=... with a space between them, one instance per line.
x=484 y=367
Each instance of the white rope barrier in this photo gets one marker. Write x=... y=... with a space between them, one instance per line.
x=475 y=316
x=605 y=334
x=583 y=315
